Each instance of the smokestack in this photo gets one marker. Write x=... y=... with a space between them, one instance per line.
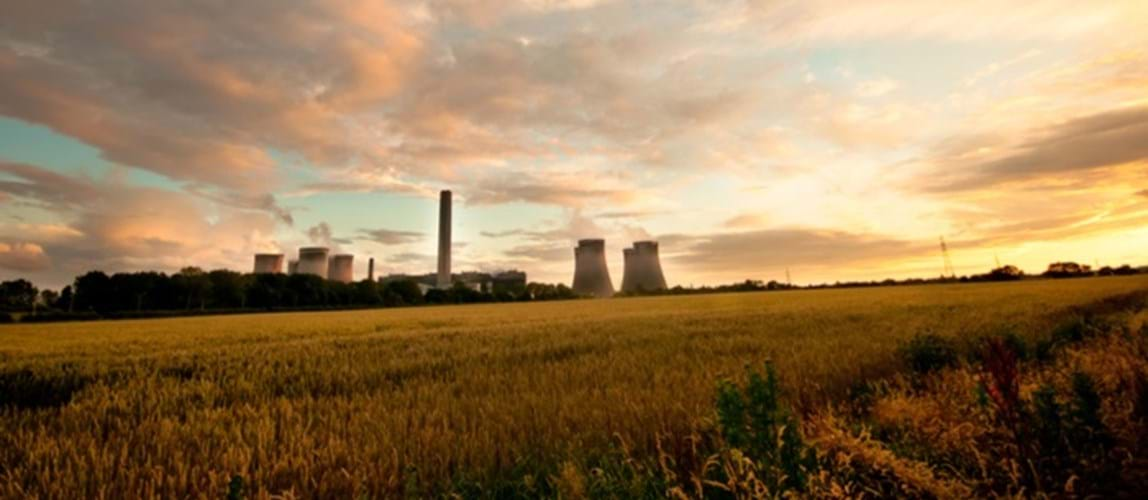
x=371 y=269
x=312 y=260
x=643 y=270
x=591 y=276
x=268 y=263
x=443 y=280
x=341 y=268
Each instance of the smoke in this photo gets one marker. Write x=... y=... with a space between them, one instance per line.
x=320 y=234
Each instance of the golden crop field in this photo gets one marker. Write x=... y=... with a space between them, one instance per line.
x=387 y=402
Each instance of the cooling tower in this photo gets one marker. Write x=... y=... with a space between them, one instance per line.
x=444 y=208
x=341 y=268
x=643 y=268
x=312 y=260
x=268 y=263
x=591 y=276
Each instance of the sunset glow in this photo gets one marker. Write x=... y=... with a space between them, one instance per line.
x=837 y=140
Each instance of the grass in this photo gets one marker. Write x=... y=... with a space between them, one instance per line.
x=482 y=399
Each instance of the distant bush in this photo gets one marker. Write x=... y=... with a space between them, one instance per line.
x=6 y=318
x=929 y=352
x=53 y=316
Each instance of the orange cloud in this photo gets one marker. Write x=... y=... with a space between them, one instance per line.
x=23 y=257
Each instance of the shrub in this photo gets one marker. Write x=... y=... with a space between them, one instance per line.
x=1002 y=380
x=753 y=421
x=6 y=318
x=928 y=352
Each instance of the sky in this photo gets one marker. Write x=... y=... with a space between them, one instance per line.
x=833 y=139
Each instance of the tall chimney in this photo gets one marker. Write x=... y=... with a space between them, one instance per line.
x=444 y=239
x=371 y=269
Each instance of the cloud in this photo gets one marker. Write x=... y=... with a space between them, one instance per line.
x=23 y=257
x=409 y=258
x=629 y=214
x=745 y=221
x=546 y=252
x=391 y=237
x=877 y=88
x=558 y=191
x=320 y=234
x=200 y=94
x=1143 y=193
x=1057 y=224
x=1106 y=139
x=835 y=21
x=113 y=226
x=755 y=251
x=46 y=188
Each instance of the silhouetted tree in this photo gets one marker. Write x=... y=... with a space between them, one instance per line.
x=1005 y=273
x=93 y=292
x=228 y=289
x=64 y=303
x=306 y=290
x=267 y=291
x=1067 y=270
x=366 y=292
x=17 y=295
x=195 y=285
x=49 y=298
x=407 y=292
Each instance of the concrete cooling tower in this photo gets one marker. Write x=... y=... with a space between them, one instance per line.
x=313 y=260
x=591 y=277
x=268 y=263
x=643 y=268
x=341 y=268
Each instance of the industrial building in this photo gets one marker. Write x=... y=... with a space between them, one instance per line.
x=591 y=275
x=512 y=281
x=313 y=260
x=268 y=263
x=341 y=268
x=643 y=268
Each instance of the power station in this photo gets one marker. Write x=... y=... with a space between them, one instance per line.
x=313 y=260
x=268 y=263
x=341 y=268
x=643 y=268
x=591 y=276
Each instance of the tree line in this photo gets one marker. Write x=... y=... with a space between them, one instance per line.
x=195 y=291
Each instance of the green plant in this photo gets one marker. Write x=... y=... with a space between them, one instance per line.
x=235 y=488
x=928 y=352
x=753 y=420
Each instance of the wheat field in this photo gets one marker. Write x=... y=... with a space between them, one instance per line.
x=418 y=401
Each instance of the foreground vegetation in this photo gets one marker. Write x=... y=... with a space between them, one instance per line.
x=604 y=398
